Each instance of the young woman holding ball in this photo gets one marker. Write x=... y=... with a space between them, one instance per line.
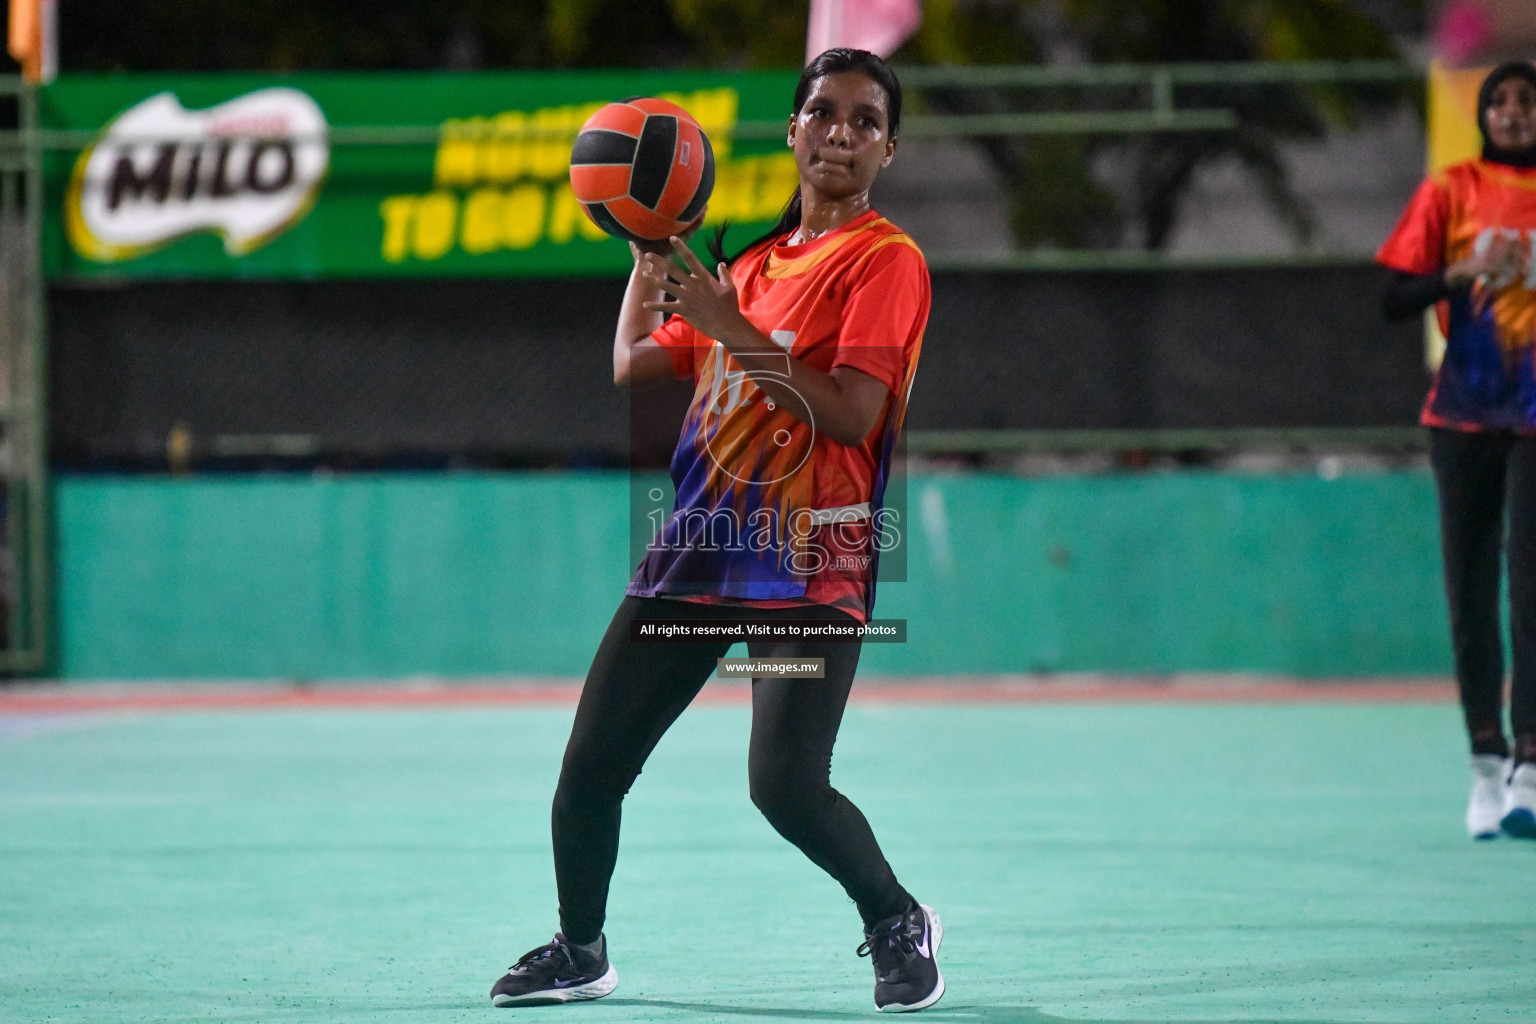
x=802 y=351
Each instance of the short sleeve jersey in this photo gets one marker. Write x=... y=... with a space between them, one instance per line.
x=769 y=511
x=1487 y=380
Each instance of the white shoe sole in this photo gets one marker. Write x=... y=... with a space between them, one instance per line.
x=575 y=994
x=936 y=929
x=1485 y=826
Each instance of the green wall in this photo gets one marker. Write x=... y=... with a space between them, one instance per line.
x=517 y=573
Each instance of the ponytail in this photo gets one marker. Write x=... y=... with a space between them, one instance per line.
x=788 y=221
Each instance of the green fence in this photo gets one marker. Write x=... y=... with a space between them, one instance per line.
x=518 y=573
x=155 y=177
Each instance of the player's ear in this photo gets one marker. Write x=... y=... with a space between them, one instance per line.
x=890 y=152
x=790 y=140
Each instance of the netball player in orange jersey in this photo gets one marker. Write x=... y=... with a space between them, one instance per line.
x=1465 y=244
x=802 y=351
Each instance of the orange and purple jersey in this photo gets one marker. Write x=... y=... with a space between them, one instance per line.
x=1487 y=380
x=769 y=511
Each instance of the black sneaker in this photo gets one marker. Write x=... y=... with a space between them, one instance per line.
x=902 y=948
x=555 y=973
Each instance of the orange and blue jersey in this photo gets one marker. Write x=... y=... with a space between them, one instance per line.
x=1487 y=380
x=770 y=512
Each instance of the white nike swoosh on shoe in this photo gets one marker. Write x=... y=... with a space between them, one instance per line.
x=922 y=947
x=564 y=992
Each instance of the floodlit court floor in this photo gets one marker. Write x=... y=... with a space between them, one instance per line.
x=1242 y=855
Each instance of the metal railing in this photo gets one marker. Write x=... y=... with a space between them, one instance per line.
x=1156 y=83
x=25 y=562
x=1168 y=439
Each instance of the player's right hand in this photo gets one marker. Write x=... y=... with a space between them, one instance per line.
x=1505 y=260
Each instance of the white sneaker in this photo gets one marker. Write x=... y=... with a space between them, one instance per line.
x=1486 y=807
x=1520 y=803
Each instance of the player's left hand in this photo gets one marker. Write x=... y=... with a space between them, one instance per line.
x=706 y=300
x=663 y=246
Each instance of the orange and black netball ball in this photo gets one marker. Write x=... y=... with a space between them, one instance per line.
x=642 y=169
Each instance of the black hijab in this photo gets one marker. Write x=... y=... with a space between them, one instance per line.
x=1513 y=157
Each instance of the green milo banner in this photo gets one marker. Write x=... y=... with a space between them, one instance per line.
x=367 y=175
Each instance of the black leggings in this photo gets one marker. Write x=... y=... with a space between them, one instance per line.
x=1481 y=478
x=635 y=691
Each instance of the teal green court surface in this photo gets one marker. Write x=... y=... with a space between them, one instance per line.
x=1096 y=861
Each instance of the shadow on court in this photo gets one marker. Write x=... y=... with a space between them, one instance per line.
x=989 y=1014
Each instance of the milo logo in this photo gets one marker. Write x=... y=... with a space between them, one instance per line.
x=248 y=169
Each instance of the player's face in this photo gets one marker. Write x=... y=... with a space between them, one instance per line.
x=1512 y=114
x=842 y=134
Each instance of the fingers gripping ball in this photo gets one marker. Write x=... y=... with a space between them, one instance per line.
x=642 y=169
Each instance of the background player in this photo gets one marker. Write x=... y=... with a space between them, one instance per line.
x=1465 y=242
x=803 y=351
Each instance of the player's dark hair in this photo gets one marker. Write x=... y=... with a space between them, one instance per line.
x=829 y=62
x=1513 y=157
